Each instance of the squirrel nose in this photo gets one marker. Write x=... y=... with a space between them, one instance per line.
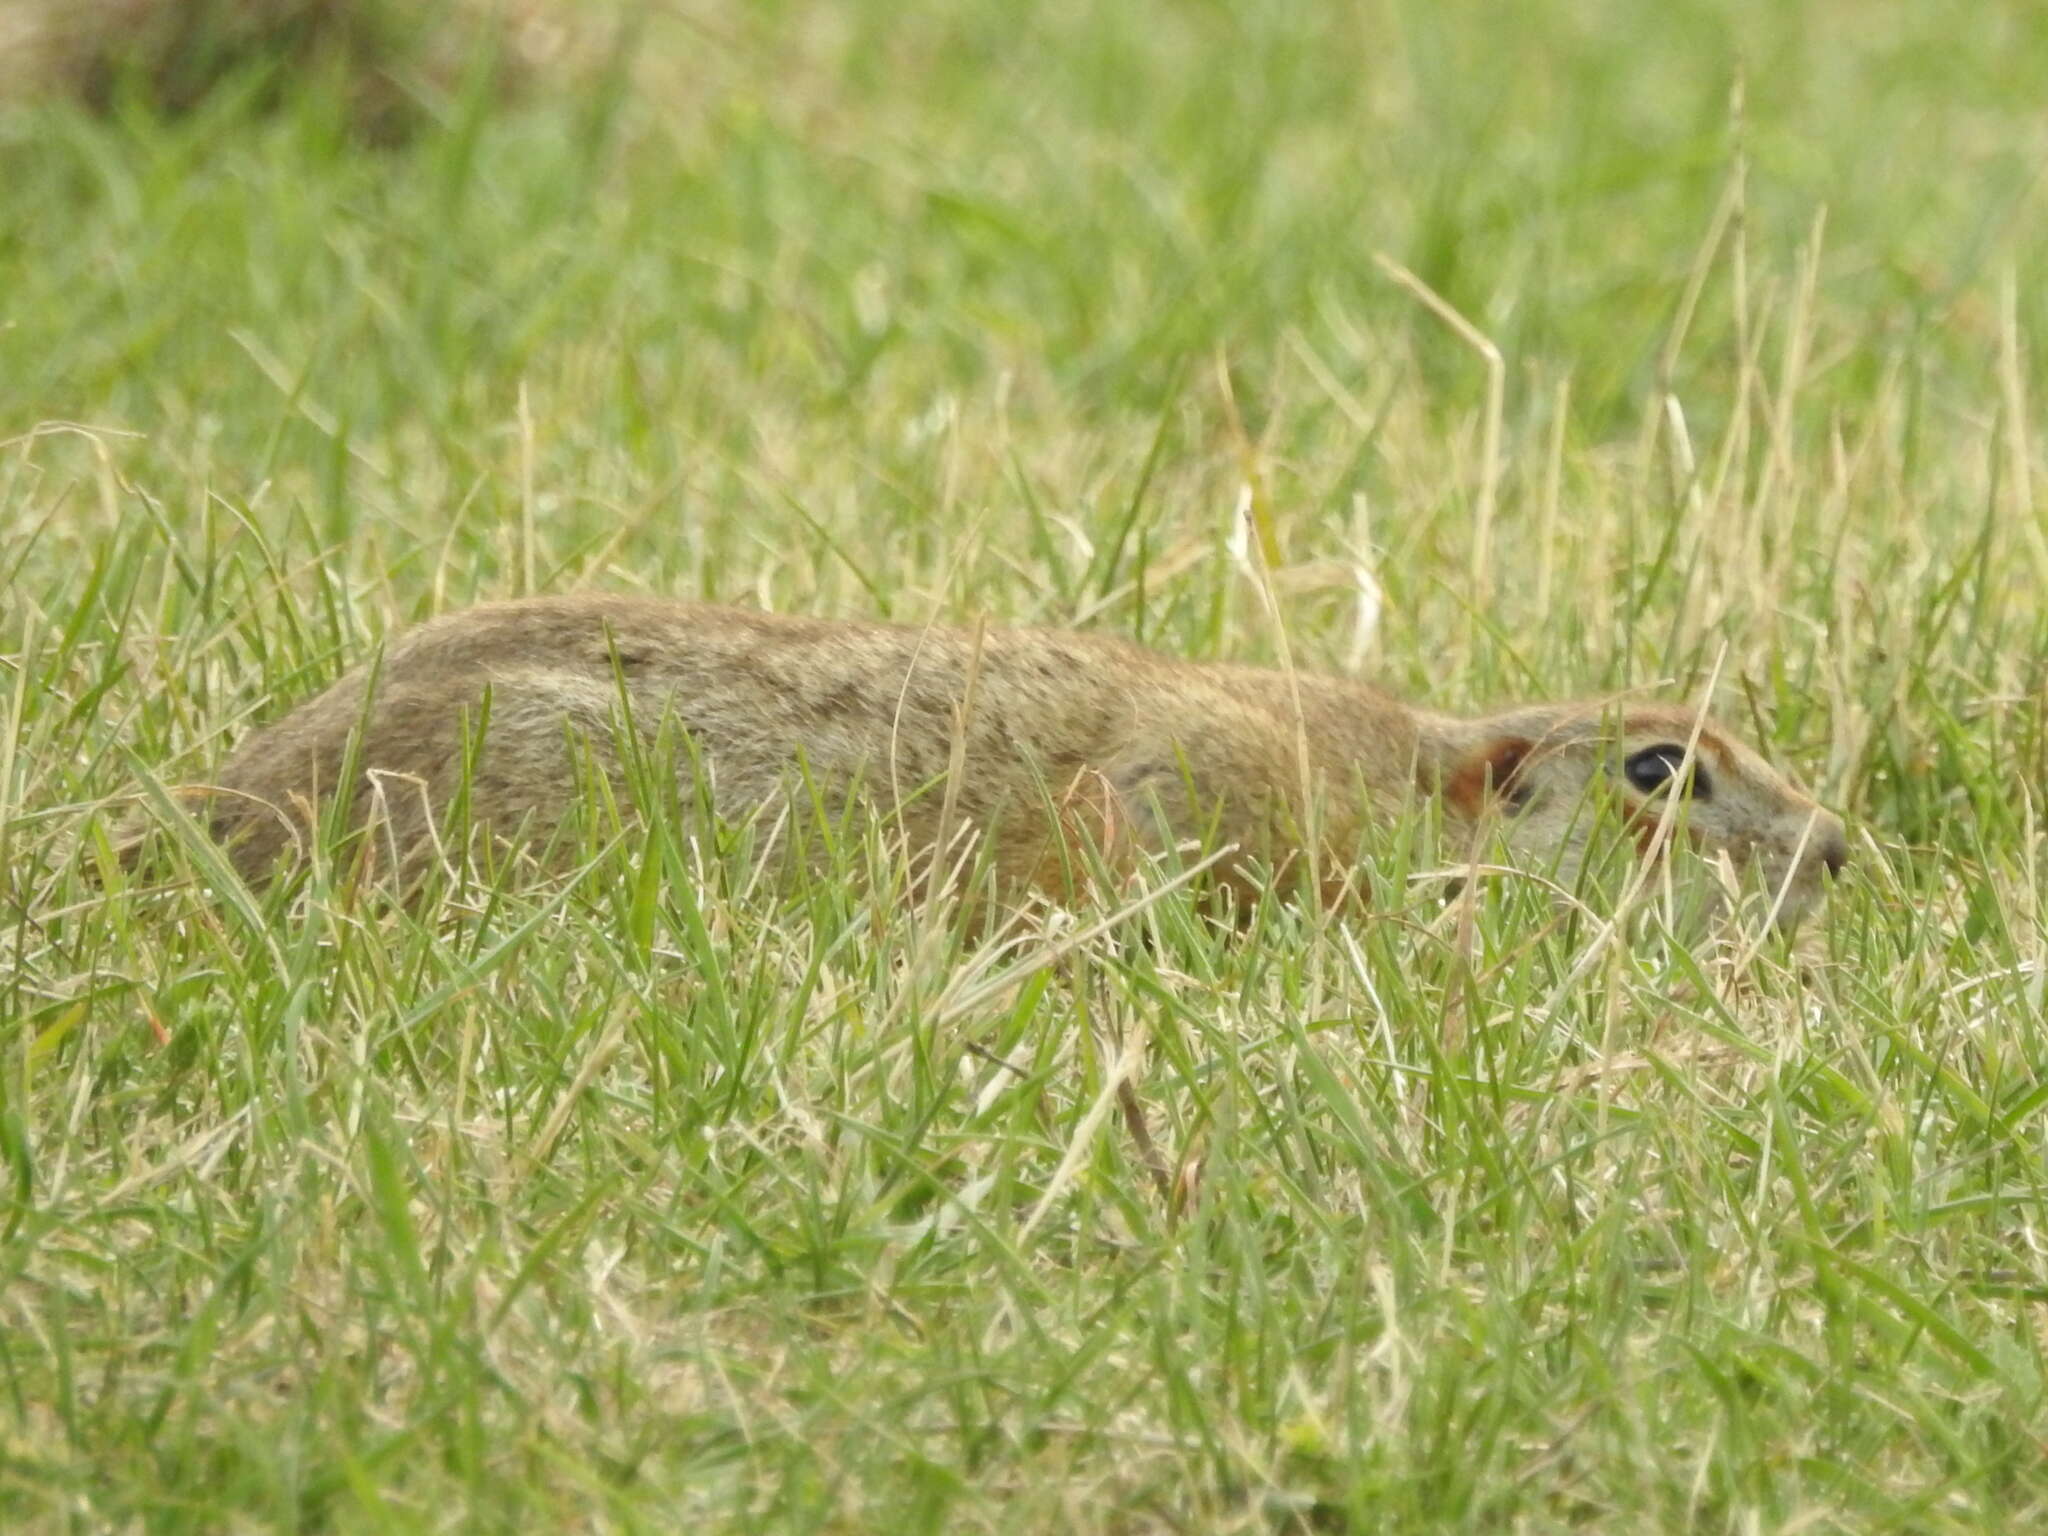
x=1834 y=850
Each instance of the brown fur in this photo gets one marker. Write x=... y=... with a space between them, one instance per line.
x=1063 y=742
x=1484 y=774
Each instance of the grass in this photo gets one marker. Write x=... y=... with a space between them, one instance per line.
x=656 y=1200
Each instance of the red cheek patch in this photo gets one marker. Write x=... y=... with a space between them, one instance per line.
x=1491 y=770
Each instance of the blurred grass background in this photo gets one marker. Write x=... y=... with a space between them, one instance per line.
x=319 y=316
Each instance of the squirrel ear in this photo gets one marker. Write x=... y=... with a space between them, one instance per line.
x=1495 y=769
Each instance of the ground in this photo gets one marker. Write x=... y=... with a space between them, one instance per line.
x=1489 y=351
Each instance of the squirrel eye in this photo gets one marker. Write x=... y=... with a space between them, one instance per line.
x=1652 y=768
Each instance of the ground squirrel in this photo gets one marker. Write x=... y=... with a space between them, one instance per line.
x=1026 y=736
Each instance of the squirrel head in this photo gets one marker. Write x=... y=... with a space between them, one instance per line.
x=1554 y=776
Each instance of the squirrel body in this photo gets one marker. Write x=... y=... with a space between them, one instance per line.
x=1024 y=736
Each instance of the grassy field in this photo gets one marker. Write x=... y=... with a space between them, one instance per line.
x=656 y=1201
